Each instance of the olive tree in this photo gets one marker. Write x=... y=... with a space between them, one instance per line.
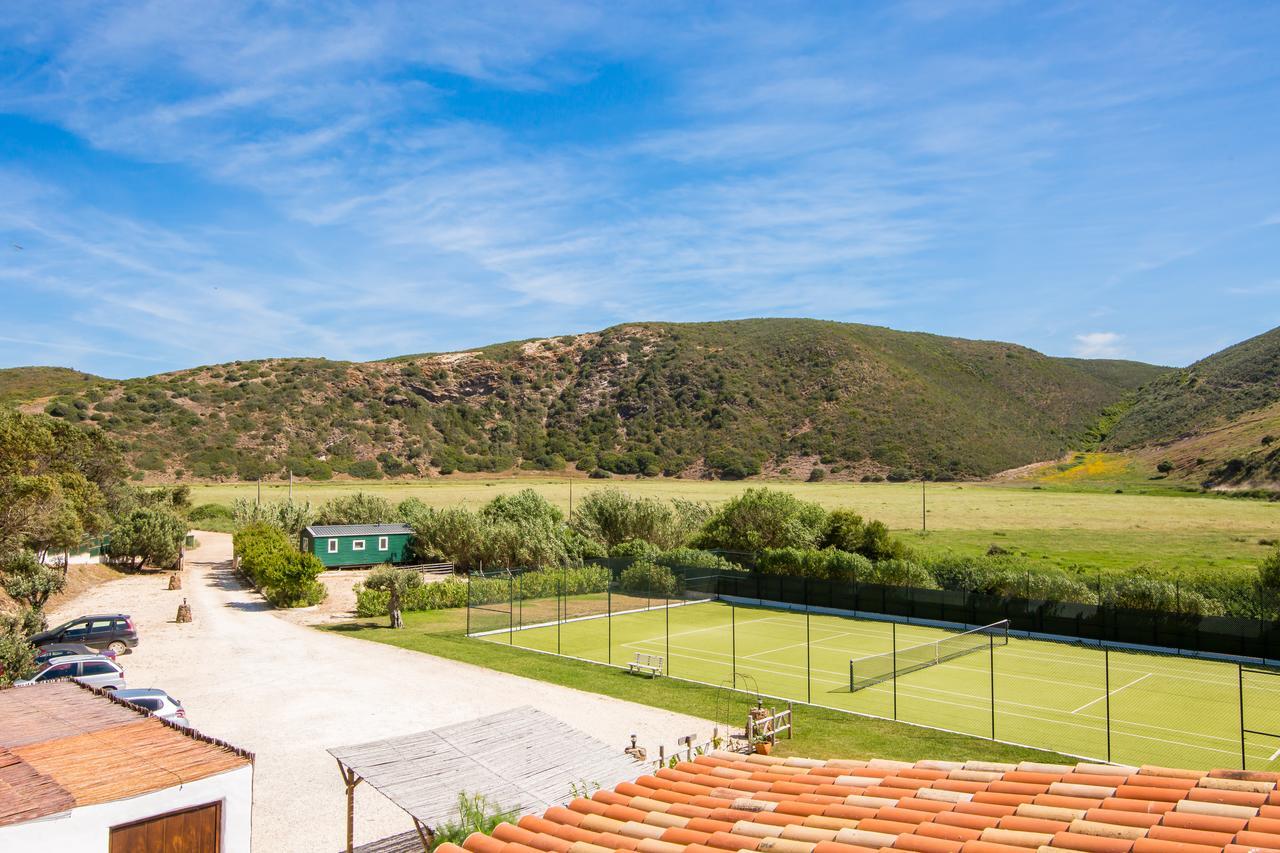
x=396 y=583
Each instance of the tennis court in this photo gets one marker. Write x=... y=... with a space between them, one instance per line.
x=1125 y=706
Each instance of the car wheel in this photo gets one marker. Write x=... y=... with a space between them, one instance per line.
x=117 y=647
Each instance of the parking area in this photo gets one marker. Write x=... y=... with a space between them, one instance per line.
x=287 y=691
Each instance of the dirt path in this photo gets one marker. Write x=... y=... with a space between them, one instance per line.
x=287 y=691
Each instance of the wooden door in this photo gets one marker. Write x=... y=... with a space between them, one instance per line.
x=195 y=830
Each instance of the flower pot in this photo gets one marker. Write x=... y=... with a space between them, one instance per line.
x=764 y=747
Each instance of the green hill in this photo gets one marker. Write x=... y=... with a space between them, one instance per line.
x=1218 y=421
x=19 y=384
x=723 y=399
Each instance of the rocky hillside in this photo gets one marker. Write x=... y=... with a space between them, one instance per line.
x=724 y=399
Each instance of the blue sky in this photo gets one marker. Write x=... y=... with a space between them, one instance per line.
x=200 y=182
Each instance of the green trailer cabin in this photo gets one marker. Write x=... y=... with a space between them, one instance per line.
x=343 y=545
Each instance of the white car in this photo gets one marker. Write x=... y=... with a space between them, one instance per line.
x=93 y=670
x=156 y=701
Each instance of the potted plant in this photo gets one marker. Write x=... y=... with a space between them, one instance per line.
x=763 y=745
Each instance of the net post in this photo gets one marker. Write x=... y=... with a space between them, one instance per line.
x=894 y=630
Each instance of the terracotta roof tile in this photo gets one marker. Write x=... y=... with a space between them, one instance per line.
x=724 y=803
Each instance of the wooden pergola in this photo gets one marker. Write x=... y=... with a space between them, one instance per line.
x=523 y=760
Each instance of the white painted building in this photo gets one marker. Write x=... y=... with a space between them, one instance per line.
x=82 y=771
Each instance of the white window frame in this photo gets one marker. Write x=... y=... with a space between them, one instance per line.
x=383 y=543
x=357 y=544
x=333 y=546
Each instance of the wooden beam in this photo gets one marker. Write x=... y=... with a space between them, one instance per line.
x=350 y=778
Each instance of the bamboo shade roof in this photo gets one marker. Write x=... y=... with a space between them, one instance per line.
x=523 y=759
x=63 y=745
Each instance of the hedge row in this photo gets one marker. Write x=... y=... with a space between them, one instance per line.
x=453 y=591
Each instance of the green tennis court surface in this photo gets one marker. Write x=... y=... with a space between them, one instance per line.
x=1160 y=709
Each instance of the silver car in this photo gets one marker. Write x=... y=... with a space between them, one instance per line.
x=156 y=701
x=94 y=670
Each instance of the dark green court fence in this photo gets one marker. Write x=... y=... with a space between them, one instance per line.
x=1101 y=688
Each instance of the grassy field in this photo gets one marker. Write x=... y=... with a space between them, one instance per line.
x=819 y=731
x=1055 y=524
x=1159 y=709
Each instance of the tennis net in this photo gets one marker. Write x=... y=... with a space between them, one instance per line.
x=876 y=669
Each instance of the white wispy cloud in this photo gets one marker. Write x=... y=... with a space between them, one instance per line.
x=1099 y=345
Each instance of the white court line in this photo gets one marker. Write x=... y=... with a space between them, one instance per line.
x=1113 y=692
x=1274 y=755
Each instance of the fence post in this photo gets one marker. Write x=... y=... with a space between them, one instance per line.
x=468 y=604
x=1106 y=687
x=894 y=629
x=511 y=594
x=991 y=658
x=667 y=630
x=1244 y=765
x=808 y=649
x=733 y=642
x=561 y=607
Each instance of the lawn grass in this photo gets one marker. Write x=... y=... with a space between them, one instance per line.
x=820 y=732
x=1063 y=527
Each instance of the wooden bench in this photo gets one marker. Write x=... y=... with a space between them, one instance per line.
x=651 y=664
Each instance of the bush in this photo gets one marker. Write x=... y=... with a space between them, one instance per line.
x=365 y=469
x=692 y=559
x=644 y=576
x=287 y=516
x=1165 y=466
x=148 y=535
x=1142 y=592
x=285 y=576
x=17 y=655
x=210 y=512
x=817 y=475
x=793 y=562
x=635 y=550
x=763 y=518
x=900 y=573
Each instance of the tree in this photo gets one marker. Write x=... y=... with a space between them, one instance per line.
x=148 y=535
x=17 y=655
x=359 y=508
x=31 y=582
x=1269 y=578
x=397 y=583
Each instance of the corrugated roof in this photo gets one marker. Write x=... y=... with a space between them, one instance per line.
x=523 y=758
x=356 y=529
x=63 y=744
x=729 y=802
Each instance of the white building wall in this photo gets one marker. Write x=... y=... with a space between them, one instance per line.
x=88 y=828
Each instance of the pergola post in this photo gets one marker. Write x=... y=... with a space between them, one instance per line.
x=425 y=835
x=351 y=779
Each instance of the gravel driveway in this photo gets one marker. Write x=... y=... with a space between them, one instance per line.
x=286 y=692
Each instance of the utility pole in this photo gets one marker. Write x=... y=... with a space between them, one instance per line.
x=924 y=509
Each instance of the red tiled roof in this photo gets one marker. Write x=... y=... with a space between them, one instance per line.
x=724 y=802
